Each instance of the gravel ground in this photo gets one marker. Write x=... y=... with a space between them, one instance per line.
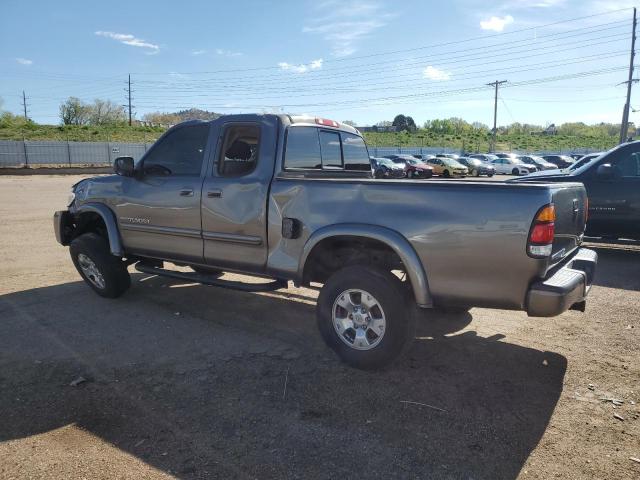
x=187 y=381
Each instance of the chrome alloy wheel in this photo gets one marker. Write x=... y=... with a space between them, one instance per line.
x=91 y=271
x=358 y=319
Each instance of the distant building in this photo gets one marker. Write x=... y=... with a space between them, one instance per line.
x=550 y=130
x=376 y=128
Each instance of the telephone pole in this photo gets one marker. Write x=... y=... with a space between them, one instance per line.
x=129 y=97
x=624 y=126
x=24 y=105
x=495 y=84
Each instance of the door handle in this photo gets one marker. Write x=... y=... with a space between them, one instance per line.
x=187 y=192
x=214 y=194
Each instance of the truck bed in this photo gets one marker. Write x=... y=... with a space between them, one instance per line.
x=470 y=236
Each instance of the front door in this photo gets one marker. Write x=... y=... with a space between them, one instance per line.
x=234 y=196
x=614 y=203
x=159 y=211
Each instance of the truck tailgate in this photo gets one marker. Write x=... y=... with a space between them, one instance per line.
x=570 y=201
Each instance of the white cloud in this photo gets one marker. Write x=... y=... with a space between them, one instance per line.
x=345 y=25
x=198 y=52
x=496 y=24
x=227 y=53
x=433 y=73
x=131 y=40
x=24 y=61
x=302 y=68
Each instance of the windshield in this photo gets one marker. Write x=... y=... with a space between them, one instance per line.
x=385 y=161
x=451 y=162
x=583 y=161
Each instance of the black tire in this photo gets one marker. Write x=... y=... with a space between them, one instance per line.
x=489 y=175
x=409 y=174
x=515 y=171
x=447 y=174
x=211 y=271
x=475 y=172
x=392 y=296
x=115 y=277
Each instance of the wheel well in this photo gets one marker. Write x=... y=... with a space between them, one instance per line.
x=90 y=222
x=334 y=253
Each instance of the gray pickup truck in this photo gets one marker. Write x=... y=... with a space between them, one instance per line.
x=292 y=198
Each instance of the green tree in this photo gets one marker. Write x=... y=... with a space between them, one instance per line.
x=74 y=111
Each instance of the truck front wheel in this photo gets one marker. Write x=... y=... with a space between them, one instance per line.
x=362 y=316
x=105 y=274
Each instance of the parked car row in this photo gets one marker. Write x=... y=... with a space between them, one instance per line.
x=476 y=164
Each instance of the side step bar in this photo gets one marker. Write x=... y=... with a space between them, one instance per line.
x=215 y=282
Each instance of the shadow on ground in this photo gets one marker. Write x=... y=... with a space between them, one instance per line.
x=618 y=267
x=191 y=380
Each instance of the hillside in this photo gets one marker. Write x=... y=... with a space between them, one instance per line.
x=470 y=141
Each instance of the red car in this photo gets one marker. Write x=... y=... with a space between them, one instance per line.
x=413 y=168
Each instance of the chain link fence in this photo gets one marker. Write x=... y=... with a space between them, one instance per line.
x=38 y=153
x=44 y=153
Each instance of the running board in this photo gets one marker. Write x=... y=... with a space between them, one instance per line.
x=215 y=282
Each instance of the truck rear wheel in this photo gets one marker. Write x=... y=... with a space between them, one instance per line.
x=106 y=274
x=362 y=316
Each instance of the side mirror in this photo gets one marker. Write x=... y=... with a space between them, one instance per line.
x=124 y=166
x=605 y=171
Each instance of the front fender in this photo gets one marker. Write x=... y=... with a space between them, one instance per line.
x=393 y=239
x=107 y=215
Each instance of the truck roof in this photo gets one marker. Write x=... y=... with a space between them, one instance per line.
x=323 y=122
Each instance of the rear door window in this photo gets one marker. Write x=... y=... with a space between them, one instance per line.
x=303 y=148
x=354 y=150
x=318 y=149
x=239 y=154
x=330 y=150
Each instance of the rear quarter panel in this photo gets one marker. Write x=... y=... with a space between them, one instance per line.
x=470 y=237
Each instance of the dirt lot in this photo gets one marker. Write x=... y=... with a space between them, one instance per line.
x=190 y=381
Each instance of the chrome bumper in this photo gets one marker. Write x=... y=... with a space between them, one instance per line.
x=565 y=289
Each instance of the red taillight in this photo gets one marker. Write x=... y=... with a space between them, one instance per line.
x=542 y=231
x=326 y=122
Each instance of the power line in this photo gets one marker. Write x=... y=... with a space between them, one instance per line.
x=407 y=85
x=309 y=80
x=406 y=50
x=412 y=97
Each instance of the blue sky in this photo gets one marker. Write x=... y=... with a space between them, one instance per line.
x=363 y=60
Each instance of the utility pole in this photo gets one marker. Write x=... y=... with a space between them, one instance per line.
x=624 y=127
x=495 y=84
x=129 y=97
x=24 y=105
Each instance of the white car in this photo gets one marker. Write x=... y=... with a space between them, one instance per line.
x=512 y=166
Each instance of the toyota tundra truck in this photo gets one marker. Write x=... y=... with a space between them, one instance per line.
x=292 y=199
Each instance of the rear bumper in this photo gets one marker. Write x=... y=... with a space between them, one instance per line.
x=566 y=288
x=63 y=226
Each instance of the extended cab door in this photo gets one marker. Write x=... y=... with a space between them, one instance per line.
x=614 y=201
x=235 y=191
x=159 y=210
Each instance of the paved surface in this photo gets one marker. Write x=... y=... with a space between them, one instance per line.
x=190 y=381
